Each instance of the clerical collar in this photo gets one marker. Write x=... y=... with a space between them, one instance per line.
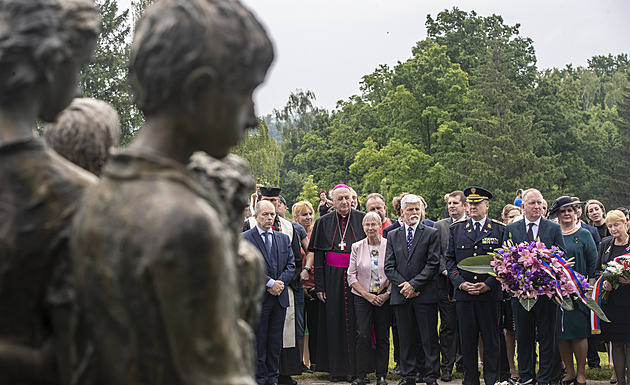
x=344 y=216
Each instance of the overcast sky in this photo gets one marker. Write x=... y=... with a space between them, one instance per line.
x=326 y=46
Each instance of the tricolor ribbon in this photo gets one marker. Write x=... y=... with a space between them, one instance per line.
x=571 y=274
x=550 y=271
x=597 y=291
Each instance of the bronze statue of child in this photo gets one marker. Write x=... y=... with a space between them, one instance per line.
x=156 y=269
x=43 y=45
x=84 y=132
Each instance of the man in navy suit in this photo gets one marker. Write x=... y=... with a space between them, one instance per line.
x=544 y=315
x=276 y=250
x=412 y=261
x=477 y=296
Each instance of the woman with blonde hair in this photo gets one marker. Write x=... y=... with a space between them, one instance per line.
x=510 y=212
x=617 y=305
x=304 y=214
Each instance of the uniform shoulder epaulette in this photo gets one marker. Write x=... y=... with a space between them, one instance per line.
x=459 y=221
x=498 y=222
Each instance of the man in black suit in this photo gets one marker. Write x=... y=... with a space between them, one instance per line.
x=543 y=316
x=456 y=203
x=276 y=250
x=412 y=262
x=478 y=296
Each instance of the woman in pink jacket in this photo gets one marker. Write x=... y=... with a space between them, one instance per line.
x=366 y=276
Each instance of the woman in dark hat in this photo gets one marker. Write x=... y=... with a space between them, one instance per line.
x=574 y=329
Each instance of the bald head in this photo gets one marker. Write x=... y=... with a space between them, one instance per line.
x=265 y=214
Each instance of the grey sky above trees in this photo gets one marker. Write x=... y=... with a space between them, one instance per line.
x=326 y=46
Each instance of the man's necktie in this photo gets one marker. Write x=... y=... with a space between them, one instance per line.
x=477 y=229
x=409 y=238
x=268 y=243
x=530 y=231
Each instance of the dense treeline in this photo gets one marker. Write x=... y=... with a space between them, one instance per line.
x=469 y=107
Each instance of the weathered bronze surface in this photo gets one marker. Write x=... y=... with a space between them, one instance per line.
x=43 y=44
x=165 y=294
x=84 y=132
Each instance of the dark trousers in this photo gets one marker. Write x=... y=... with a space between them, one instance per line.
x=480 y=317
x=418 y=342
x=378 y=317
x=269 y=340
x=543 y=317
x=448 y=331
x=311 y=309
x=593 y=353
x=426 y=321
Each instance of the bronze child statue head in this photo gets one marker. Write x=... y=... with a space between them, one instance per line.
x=194 y=64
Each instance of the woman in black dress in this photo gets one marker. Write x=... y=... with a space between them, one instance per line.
x=325 y=204
x=617 y=305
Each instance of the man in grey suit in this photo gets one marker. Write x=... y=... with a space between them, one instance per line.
x=544 y=315
x=412 y=261
x=456 y=203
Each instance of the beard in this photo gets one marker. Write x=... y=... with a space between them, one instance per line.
x=414 y=219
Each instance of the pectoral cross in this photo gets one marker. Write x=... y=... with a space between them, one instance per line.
x=342 y=245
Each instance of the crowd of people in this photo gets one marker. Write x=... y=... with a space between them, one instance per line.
x=364 y=274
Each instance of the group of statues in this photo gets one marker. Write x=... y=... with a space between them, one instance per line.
x=139 y=276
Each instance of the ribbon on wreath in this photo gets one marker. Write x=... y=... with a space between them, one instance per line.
x=597 y=291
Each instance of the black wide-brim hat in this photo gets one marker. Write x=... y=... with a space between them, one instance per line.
x=561 y=202
x=269 y=191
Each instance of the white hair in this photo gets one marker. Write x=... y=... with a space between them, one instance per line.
x=372 y=216
x=411 y=198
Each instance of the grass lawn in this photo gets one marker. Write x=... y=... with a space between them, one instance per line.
x=602 y=374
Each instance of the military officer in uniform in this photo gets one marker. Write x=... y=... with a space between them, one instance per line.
x=478 y=296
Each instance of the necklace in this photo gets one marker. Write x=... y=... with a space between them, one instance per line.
x=571 y=230
x=623 y=243
x=342 y=244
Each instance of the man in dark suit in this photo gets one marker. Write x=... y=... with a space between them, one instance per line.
x=412 y=261
x=456 y=203
x=543 y=316
x=276 y=250
x=478 y=296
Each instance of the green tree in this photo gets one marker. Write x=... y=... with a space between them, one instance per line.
x=262 y=153
x=298 y=118
x=138 y=7
x=105 y=77
x=468 y=36
x=310 y=192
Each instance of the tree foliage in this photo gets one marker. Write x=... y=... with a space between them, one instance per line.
x=263 y=154
x=469 y=108
x=105 y=77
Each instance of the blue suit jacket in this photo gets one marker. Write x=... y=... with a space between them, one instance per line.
x=549 y=233
x=284 y=257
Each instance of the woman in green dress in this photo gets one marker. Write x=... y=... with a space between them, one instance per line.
x=575 y=326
